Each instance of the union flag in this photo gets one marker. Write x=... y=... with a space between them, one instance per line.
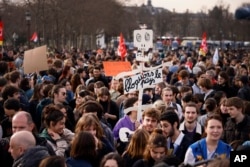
x=203 y=47
x=122 y=51
x=34 y=37
x=1 y=32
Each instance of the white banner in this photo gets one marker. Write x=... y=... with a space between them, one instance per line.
x=138 y=81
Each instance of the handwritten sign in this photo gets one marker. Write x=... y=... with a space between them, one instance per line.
x=138 y=81
x=35 y=60
x=116 y=67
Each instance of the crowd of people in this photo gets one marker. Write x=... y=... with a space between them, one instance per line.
x=73 y=115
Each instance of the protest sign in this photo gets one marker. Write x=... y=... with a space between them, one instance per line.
x=116 y=67
x=142 y=80
x=35 y=60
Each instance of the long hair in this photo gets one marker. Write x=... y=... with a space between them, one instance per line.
x=113 y=156
x=138 y=143
x=52 y=161
x=156 y=140
x=75 y=81
x=51 y=114
x=83 y=147
x=64 y=74
x=87 y=120
x=36 y=94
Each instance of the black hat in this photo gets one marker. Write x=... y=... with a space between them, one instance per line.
x=169 y=116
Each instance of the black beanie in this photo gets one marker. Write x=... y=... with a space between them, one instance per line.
x=169 y=116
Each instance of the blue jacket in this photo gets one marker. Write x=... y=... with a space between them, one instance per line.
x=199 y=150
x=71 y=162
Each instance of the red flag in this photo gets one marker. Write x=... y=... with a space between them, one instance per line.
x=34 y=37
x=122 y=51
x=203 y=47
x=1 y=32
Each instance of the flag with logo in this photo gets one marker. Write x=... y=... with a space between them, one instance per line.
x=1 y=32
x=122 y=51
x=203 y=47
x=34 y=37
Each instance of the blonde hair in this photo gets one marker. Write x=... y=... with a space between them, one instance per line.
x=160 y=105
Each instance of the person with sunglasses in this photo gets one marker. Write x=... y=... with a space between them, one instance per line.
x=58 y=96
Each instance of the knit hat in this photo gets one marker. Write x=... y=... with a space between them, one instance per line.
x=169 y=116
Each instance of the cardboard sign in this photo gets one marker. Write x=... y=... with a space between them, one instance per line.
x=143 y=39
x=35 y=60
x=112 y=68
x=136 y=82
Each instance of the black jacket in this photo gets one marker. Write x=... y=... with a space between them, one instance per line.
x=233 y=131
x=32 y=157
x=144 y=163
x=5 y=157
x=128 y=160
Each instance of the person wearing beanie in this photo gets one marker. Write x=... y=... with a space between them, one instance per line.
x=177 y=141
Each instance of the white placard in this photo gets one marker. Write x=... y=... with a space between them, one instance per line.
x=142 y=80
x=143 y=39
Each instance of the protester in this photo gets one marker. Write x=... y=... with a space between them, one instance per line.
x=190 y=126
x=24 y=151
x=111 y=110
x=83 y=150
x=129 y=121
x=112 y=159
x=136 y=147
x=238 y=126
x=177 y=142
x=168 y=97
x=90 y=123
x=150 y=119
x=55 y=132
x=155 y=151
x=211 y=146
x=53 y=161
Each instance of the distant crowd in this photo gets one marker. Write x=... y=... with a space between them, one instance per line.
x=73 y=115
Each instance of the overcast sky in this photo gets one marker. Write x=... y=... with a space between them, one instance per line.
x=192 y=5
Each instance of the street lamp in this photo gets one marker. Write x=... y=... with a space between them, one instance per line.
x=28 y=19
